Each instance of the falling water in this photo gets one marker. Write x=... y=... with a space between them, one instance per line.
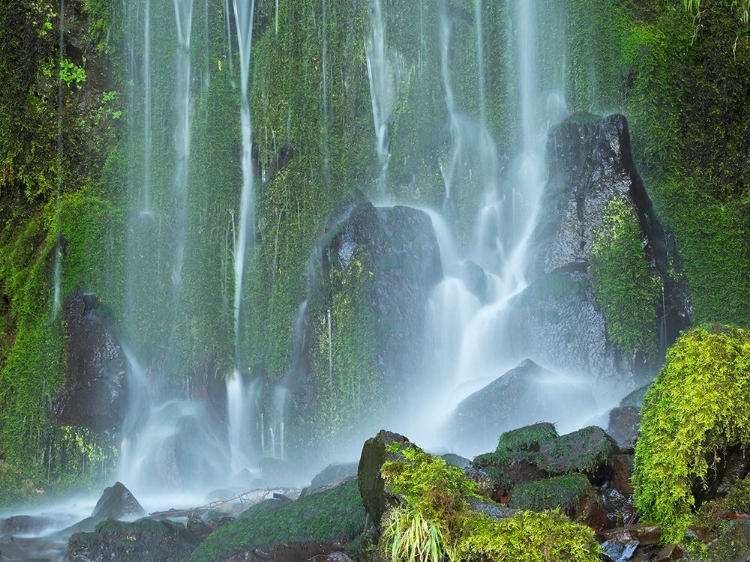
x=57 y=274
x=183 y=20
x=382 y=90
x=243 y=12
x=147 y=131
x=466 y=327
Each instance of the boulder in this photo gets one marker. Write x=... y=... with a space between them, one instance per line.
x=117 y=502
x=733 y=544
x=371 y=277
x=588 y=451
x=590 y=164
x=375 y=452
x=623 y=426
x=333 y=474
x=556 y=321
x=94 y=393
x=144 y=540
x=524 y=395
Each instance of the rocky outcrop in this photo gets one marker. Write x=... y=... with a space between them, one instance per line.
x=94 y=393
x=524 y=395
x=590 y=165
x=556 y=321
x=117 y=502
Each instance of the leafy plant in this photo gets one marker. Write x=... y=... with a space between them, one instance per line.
x=71 y=73
x=412 y=538
x=698 y=406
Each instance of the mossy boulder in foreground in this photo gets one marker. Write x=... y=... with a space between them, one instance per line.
x=331 y=519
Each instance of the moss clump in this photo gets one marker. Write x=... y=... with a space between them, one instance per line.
x=334 y=515
x=434 y=521
x=697 y=406
x=624 y=287
x=528 y=438
x=564 y=492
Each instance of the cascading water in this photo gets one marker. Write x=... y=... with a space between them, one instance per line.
x=382 y=90
x=239 y=397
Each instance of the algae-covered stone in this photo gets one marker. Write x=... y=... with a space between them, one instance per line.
x=587 y=450
x=566 y=492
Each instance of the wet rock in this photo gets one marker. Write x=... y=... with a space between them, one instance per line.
x=523 y=395
x=144 y=540
x=623 y=426
x=456 y=460
x=622 y=470
x=387 y=260
x=94 y=392
x=555 y=321
x=643 y=534
x=24 y=524
x=670 y=552
x=332 y=557
x=587 y=451
x=117 y=502
x=371 y=484
x=333 y=474
x=291 y=552
x=619 y=508
x=495 y=511
x=618 y=551
x=590 y=164
x=635 y=398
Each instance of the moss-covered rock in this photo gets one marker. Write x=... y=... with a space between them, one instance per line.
x=333 y=516
x=564 y=492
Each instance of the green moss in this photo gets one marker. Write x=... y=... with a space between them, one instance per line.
x=625 y=289
x=334 y=515
x=564 y=492
x=528 y=438
x=697 y=406
x=434 y=519
x=581 y=451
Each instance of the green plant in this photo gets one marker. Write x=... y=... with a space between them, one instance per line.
x=412 y=538
x=71 y=73
x=528 y=438
x=698 y=405
x=435 y=518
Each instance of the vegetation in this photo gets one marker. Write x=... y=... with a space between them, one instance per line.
x=564 y=492
x=434 y=520
x=625 y=289
x=696 y=408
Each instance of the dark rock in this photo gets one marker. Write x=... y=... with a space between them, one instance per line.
x=569 y=493
x=587 y=451
x=590 y=164
x=371 y=484
x=733 y=544
x=94 y=392
x=144 y=540
x=524 y=395
x=116 y=502
x=635 y=398
x=388 y=260
x=290 y=552
x=24 y=524
x=643 y=534
x=623 y=426
x=619 y=508
x=334 y=474
x=622 y=470
x=476 y=280
x=670 y=552
x=556 y=321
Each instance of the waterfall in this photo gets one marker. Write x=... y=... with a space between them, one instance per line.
x=245 y=238
x=382 y=90
x=57 y=272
